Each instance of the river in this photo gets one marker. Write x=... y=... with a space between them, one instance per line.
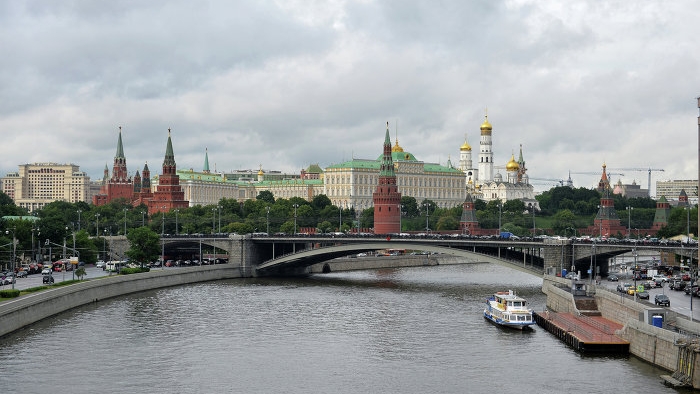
x=410 y=330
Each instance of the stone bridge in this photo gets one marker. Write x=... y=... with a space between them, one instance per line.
x=286 y=255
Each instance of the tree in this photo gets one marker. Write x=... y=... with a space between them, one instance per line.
x=409 y=206
x=267 y=196
x=145 y=245
x=320 y=201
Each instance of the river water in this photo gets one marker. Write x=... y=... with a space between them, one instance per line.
x=410 y=330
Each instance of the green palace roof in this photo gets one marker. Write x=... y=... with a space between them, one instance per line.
x=375 y=164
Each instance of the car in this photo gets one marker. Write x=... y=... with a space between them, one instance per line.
x=643 y=295
x=622 y=287
x=47 y=279
x=691 y=290
x=46 y=271
x=572 y=275
x=8 y=279
x=613 y=278
x=100 y=264
x=631 y=290
x=662 y=300
x=677 y=285
x=22 y=274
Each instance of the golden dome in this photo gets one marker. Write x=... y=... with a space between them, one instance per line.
x=465 y=146
x=486 y=126
x=396 y=147
x=512 y=165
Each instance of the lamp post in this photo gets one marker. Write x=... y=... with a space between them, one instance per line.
x=340 y=217
x=97 y=225
x=295 y=217
x=268 y=220
x=500 y=212
x=218 y=209
x=177 y=232
x=534 y=226
x=14 y=253
x=400 y=216
x=104 y=245
x=213 y=220
x=162 y=241
x=143 y=218
x=79 y=212
x=629 y=221
x=125 y=222
x=687 y=225
x=427 y=209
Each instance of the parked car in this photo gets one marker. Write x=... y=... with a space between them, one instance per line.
x=643 y=295
x=22 y=274
x=9 y=279
x=662 y=300
x=691 y=290
x=613 y=278
x=100 y=264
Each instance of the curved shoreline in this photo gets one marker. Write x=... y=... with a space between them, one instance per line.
x=29 y=309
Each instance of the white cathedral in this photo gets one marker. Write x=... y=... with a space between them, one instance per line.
x=481 y=181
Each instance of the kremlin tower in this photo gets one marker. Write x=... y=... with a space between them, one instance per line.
x=119 y=185
x=168 y=195
x=387 y=199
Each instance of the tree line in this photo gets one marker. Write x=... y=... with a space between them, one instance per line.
x=562 y=211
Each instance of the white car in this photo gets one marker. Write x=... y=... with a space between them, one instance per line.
x=100 y=264
x=46 y=271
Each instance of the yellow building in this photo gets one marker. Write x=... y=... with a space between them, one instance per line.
x=38 y=184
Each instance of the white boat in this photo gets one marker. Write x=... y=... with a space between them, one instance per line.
x=509 y=310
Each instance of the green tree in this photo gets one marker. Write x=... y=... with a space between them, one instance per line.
x=267 y=196
x=320 y=201
x=145 y=245
x=562 y=221
x=409 y=207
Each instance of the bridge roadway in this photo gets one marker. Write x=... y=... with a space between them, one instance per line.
x=260 y=255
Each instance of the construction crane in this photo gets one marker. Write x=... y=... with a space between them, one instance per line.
x=649 y=169
x=596 y=173
x=547 y=181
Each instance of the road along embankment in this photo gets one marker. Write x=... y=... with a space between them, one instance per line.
x=28 y=309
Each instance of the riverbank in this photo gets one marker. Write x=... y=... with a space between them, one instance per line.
x=28 y=309
x=672 y=347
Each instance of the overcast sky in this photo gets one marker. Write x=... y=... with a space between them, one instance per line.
x=285 y=84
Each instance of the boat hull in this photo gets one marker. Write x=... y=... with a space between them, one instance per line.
x=509 y=324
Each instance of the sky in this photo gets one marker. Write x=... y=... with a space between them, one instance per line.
x=285 y=84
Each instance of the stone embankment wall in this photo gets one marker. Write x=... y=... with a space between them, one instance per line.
x=658 y=346
x=373 y=262
x=20 y=312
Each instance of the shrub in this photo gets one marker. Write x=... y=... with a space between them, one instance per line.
x=127 y=271
x=10 y=293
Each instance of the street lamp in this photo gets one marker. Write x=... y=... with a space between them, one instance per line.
x=104 y=245
x=97 y=225
x=162 y=241
x=400 y=216
x=177 y=232
x=218 y=209
x=213 y=220
x=340 y=217
x=14 y=254
x=629 y=221
x=125 y=222
x=268 y=220
x=427 y=208
x=295 y=217
x=143 y=218
x=79 y=211
x=500 y=211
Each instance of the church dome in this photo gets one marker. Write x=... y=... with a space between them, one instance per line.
x=486 y=126
x=396 y=147
x=512 y=165
x=465 y=146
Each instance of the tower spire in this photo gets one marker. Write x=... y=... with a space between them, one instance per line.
x=120 y=146
x=206 y=160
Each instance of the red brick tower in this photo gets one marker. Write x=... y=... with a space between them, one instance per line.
x=469 y=224
x=387 y=199
x=169 y=194
x=119 y=185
